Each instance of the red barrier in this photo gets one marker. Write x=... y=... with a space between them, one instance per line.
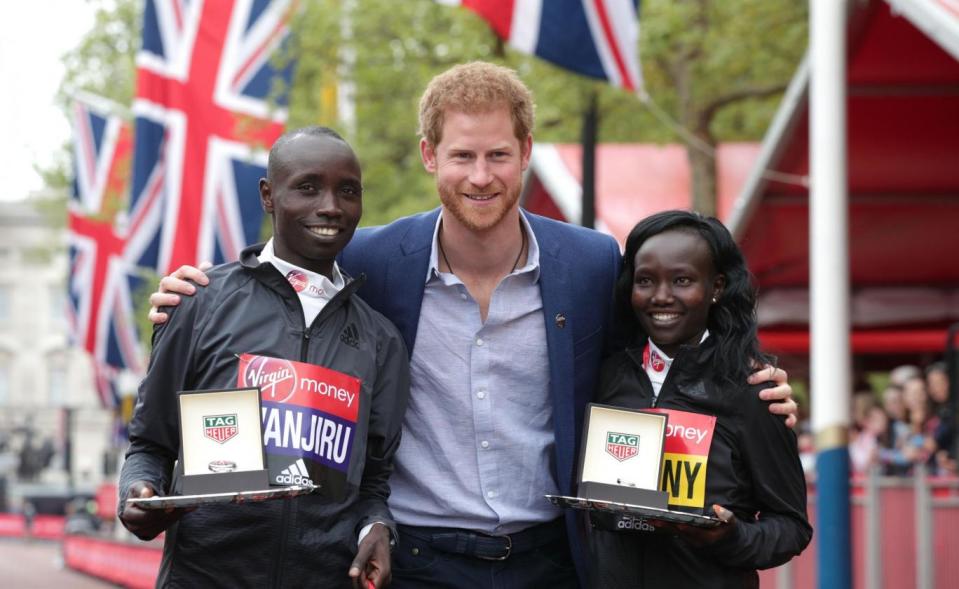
x=12 y=525
x=48 y=527
x=897 y=540
x=107 y=501
x=127 y=565
x=136 y=566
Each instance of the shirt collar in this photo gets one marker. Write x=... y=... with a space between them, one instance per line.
x=532 y=251
x=653 y=347
x=329 y=287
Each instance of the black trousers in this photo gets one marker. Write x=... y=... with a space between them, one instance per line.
x=420 y=561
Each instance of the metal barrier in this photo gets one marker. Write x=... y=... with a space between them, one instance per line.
x=905 y=533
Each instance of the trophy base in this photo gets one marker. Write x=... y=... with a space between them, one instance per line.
x=649 y=513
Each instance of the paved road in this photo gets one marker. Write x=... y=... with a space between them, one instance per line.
x=37 y=565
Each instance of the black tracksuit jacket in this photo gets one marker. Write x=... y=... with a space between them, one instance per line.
x=753 y=470
x=308 y=541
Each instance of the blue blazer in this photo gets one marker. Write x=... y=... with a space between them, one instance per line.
x=578 y=268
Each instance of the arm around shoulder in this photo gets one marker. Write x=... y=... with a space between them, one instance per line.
x=781 y=530
x=390 y=394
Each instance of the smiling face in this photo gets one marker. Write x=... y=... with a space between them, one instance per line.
x=315 y=198
x=479 y=166
x=673 y=287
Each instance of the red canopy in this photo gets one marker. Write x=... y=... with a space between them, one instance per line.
x=903 y=170
x=903 y=133
x=633 y=181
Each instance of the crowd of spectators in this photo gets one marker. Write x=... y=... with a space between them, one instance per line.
x=909 y=422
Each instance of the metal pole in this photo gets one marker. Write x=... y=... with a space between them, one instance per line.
x=925 y=574
x=68 y=449
x=829 y=286
x=952 y=371
x=873 y=530
x=590 y=130
x=784 y=576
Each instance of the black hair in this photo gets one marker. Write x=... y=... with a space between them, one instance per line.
x=937 y=366
x=313 y=130
x=732 y=319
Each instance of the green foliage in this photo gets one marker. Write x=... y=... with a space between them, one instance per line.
x=694 y=53
x=102 y=65
x=699 y=57
x=697 y=53
x=397 y=47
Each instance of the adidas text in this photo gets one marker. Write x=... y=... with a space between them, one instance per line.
x=293 y=479
x=638 y=524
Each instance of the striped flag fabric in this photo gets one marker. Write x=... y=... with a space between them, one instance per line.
x=596 y=38
x=206 y=113
x=100 y=308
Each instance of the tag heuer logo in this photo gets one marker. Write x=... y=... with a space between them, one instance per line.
x=219 y=428
x=622 y=446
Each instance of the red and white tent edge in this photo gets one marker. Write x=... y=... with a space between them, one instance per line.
x=904 y=206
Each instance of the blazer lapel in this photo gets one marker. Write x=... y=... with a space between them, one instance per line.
x=557 y=312
x=406 y=276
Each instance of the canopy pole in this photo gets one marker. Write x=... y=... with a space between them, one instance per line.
x=590 y=131
x=829 y=286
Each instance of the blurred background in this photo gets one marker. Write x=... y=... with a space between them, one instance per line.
x=134 y=131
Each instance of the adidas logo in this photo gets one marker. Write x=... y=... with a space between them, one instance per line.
x=634 y=523
x=351 y=336
x=294 y=474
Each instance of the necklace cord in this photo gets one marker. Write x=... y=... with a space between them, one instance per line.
x=439 y=242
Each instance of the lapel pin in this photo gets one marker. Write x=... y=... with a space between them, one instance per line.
x=560 y=320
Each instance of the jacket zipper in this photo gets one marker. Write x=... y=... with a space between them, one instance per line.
x=346 y=292
x=666 y=382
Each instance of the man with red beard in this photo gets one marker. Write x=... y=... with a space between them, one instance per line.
x=506 y=315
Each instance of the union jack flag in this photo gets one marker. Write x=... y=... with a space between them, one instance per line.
x=596 y=38
x=100 y=310
x=205 y=116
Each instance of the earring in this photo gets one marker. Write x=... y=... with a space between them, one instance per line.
x=714 y=300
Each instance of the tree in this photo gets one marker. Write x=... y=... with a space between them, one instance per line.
x=102 y=65
x=393 y=51
x=719 y=67
x=722 y=67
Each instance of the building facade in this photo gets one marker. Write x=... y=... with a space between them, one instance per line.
x=54 y=433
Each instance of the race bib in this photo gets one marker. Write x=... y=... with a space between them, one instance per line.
x=686 y=457
x=309 y=419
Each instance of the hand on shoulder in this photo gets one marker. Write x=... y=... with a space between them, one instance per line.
x=780 y=395
x=175 y=284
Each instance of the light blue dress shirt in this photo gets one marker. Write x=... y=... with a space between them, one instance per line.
x=477 y=449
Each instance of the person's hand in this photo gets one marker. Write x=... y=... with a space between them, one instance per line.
x=173 y=285
x=696 y=536
x=781 y=393
x=371 y=567
x=146 y=524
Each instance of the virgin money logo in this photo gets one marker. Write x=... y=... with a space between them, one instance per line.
x=273 y=376
x=658 y=363
x=297 y=280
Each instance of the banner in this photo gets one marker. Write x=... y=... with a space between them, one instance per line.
x=686 y=458
x=309 y=420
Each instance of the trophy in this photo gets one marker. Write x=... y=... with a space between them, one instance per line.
x=621 y=464
x=287 y=429
x=221 y=441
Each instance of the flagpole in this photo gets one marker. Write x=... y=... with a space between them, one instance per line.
x=829 y=289
x=590 y=131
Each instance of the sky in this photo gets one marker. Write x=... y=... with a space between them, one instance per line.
x=36 y=34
